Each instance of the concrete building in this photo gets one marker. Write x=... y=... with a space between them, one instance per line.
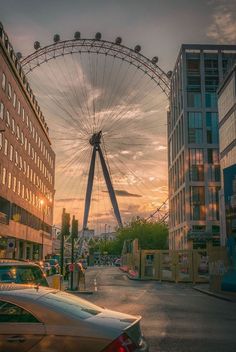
x=227 y=134
x=27 y=164
x=193 y=144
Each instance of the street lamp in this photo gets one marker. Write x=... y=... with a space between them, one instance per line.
x=42 y=226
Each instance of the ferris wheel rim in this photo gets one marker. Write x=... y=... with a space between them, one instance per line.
x=102 y=47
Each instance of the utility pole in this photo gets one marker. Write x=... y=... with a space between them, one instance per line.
x=74 y=235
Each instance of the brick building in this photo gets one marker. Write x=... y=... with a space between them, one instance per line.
x=27 y=164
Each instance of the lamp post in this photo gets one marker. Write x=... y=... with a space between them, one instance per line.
x=42 y=227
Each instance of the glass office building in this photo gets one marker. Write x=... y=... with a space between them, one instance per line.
x=193 y=144
x=227 y=131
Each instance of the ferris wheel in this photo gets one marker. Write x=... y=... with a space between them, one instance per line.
x=103 y=102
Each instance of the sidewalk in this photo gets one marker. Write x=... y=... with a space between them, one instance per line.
x=226 y=296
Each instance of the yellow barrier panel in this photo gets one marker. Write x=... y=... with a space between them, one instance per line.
x=54 y=281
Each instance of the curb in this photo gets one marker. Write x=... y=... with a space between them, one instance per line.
x=212 y=294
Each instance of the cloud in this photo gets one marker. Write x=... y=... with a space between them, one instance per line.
x=65 y=200
x=223 y=26
x=123 y=193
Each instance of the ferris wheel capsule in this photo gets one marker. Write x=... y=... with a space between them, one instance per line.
x=77 y=35
x=56 y=38
x=137 y=48
x=36 y=45
x=18 y=56
x=98 y=36
x=169 y=74
x=155 y=60
x=118 y=40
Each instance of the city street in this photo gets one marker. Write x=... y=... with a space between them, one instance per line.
x=176 y=318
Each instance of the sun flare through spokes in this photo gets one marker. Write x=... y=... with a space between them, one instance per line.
x=91 y=99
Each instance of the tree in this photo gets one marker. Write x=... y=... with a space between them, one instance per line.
x=151 y=235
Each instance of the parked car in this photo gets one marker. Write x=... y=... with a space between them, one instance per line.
x=42 y=319
x=22 y=272
x=117 y=262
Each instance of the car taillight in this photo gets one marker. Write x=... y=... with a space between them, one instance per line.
x=122 y=344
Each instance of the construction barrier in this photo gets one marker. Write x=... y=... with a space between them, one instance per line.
x=168 y=265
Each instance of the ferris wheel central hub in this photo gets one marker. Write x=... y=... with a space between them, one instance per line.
x=96 y=138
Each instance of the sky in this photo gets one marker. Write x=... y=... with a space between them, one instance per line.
x=139 y=170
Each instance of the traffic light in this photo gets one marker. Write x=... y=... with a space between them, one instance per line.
x=65 y=226
x=74 y=228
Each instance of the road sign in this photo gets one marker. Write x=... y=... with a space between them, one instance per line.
x=10 y=244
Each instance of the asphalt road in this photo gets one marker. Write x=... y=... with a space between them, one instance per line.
x=176 y=318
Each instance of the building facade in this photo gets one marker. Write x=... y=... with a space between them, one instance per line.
x=193 y=144
x=27 y=164
x=227 y=134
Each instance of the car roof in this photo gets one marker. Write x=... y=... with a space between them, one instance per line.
x=15 y=262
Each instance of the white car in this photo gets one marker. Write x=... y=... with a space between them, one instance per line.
x=40 y=319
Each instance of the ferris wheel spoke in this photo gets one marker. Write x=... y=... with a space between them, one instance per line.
x=124 y=109
x=101 y=88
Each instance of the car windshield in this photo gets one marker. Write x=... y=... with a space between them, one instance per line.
x=70 y=304
x=22 y=274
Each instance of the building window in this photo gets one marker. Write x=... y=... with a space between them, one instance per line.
x=197 y=203
x=211 y=100
x=4 y=174
x=13 y=127
x=26 y=144
x=193 y=66
x=17 y=132
x=14 y=184
x=195 y=128
x=23 y=191
x=194 y=100
x=14 y=100
x=214 y=165
x=1 y=110
x=22 y=138
x=1 y=140
x=9 y=180
x=212 y=128
x=18 y=107
x=5 y=146
x=23 y=114
x=213 y=156
x=21 y=162
x=213 y=207
x=196 y=165
x=8 y=122
x=18 y=188
x=16 y=158
x=3 y=81
x=11 y=153
x=24 y=164
x=9 y=92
